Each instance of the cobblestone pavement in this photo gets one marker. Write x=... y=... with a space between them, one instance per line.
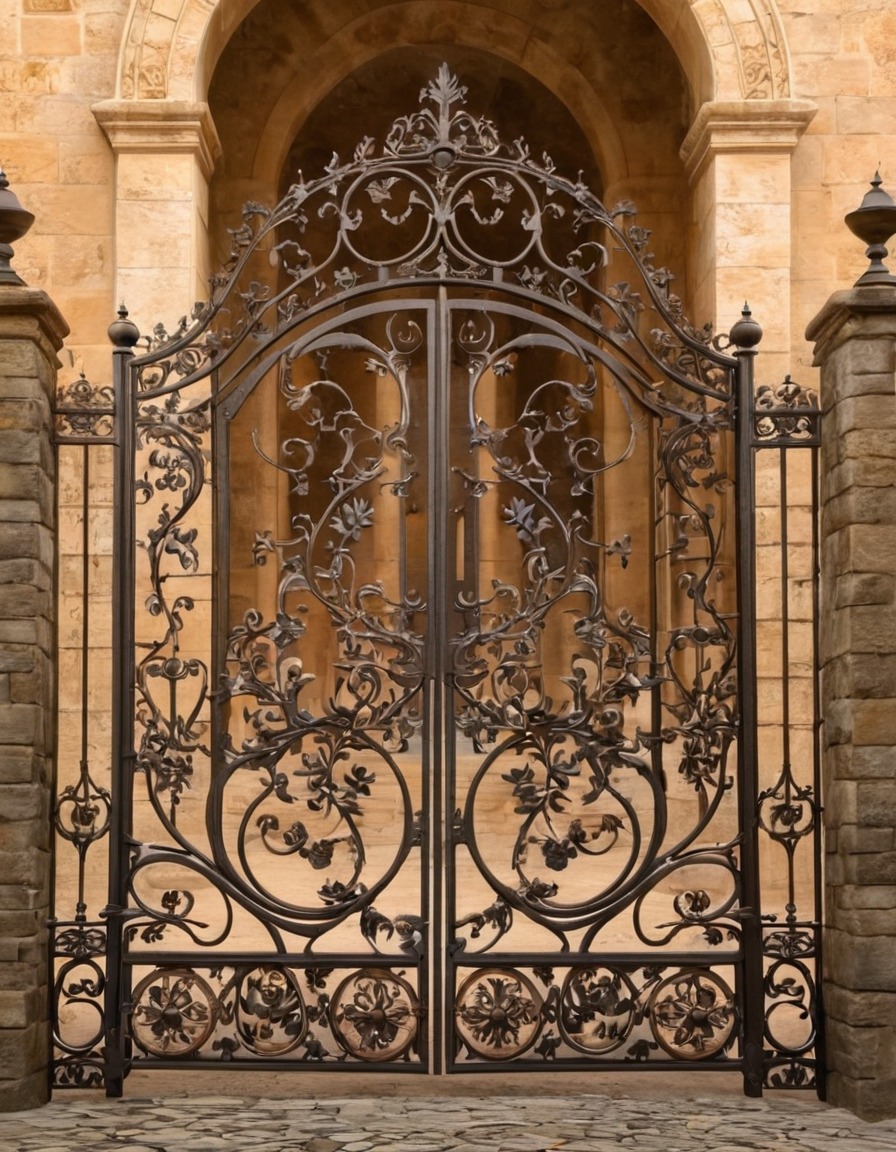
x=667 y=1122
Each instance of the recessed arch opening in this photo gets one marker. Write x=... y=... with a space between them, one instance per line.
x=598 y=88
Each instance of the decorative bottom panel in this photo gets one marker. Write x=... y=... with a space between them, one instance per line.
x=278 y=1014
x=619 y=1013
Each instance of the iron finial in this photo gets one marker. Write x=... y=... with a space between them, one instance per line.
x=746 y=333
x=874 y=222
x=14 y=223
x=123 y=332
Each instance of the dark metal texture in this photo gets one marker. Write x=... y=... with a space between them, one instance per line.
x=435 y=740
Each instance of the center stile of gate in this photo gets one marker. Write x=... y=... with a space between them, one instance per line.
x=429 y=744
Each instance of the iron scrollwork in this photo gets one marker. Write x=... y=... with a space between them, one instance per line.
x=85 y=413
x=432 y=508
x=78 y=952
x=786 y=414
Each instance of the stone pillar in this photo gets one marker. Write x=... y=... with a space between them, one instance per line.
x=737 y=156
x=855 y=337
x=165 y=152
x=31 y=332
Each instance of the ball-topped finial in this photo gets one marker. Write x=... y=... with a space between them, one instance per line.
x=745 y=333
x=874 y=222
x=123 y=333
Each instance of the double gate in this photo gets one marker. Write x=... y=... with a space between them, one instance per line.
x=436 y=728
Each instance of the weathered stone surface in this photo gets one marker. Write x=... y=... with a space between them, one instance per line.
x=17 y=764
x=37 y=632
x=20 y=723
x=859 y=413
x=859 y=1009
x=872 y=762
x=26 y=571
x=875 y=505
x=862 y=675
x=874 y=896
x=870 y=1099
x=28 y=687
x=22 y=599
x=16 y=977
x=21 y=801
x=874 y=675
x=22 y=1050
x=876 y=803
x=866 y=965
x=19 y=896
x=29 y=1092
x=860 y=840
x=22 y=867
x=859 y=693
x=578 y=1114
x=853 y=588
x=872 y=868
x=881 y=922
x=30 y=332
x=846 y=475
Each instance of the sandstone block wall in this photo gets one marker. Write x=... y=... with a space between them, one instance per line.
x=31 y=330
x=856 y=348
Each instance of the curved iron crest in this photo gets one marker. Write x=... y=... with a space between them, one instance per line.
x=447 y=186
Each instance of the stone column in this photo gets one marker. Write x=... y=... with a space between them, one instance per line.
x=737 y=156
x=855 y=337
x=165 y=153
x=31 y=332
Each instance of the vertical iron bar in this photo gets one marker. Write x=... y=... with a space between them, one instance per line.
x=81 y=907
x=85 y=593
x=785 y=602
x=746 y=335
x=442 y=777
x=222 y=561
x=124 y=336
x=785 y=674
x=56 y=842
x=818 y=833
x=658 y=525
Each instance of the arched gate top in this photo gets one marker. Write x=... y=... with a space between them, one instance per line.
x=444 y=201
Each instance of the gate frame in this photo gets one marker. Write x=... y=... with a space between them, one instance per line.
x=107 y=1060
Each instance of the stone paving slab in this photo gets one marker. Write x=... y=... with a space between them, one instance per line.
x=581 y=1123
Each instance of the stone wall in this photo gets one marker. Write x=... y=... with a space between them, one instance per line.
x=31 y=331
x=856 y=348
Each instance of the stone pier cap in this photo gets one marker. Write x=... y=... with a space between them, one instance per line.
x=846 y=312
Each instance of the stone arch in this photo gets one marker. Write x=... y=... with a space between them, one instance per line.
x=731 y=97
x=729 y=49
x=626 y=95
x=344 y=52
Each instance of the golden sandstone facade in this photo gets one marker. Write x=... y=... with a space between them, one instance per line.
x=743 y=131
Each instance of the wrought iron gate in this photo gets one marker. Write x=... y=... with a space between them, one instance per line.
x=435 y=717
